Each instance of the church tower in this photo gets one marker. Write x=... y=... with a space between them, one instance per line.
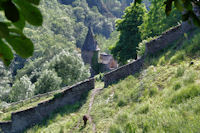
x=89 y=48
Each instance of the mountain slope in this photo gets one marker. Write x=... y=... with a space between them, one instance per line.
x=163 y=97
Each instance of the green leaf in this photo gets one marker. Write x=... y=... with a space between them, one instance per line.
x=4 y=32
x=20 y=24
x=6 y=54
x=179 y=5
x=31 y=13
x=11 y=11
x=36 y=2
x=22 y=45
x=188 y=5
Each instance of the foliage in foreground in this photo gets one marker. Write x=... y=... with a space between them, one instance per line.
x=12 y=38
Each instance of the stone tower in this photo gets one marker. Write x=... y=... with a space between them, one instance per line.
x=89 y=48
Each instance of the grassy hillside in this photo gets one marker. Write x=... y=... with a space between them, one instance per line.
x=163 y=97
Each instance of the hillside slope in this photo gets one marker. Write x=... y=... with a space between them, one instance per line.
x=163 y=97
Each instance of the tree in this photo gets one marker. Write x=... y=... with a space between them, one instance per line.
x=130 y=36
x=156 y=22
x=12 y=39
x=185 y=6
x=48 y=81
x=22 y=89
x=70 y=67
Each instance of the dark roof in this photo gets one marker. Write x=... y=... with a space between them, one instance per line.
x=105 y=54
x=90 y=43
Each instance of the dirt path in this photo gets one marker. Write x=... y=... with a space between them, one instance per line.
x=95 y=91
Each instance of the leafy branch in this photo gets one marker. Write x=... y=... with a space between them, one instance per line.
x=12 y=39
x=185 y=6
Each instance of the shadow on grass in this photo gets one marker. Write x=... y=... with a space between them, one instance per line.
x=68 y=109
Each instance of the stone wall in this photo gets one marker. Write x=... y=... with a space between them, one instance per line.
x=167 y=38
x=154 y=46
x=123 y=72
x=27 y=118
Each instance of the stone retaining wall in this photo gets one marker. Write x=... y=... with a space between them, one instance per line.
x=152 y=47
x=167 y=38
x=123 y=71
x=26 y=118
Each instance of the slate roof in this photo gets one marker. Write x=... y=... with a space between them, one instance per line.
x=90 y=43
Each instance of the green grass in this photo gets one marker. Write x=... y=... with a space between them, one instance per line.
x=163 y=97
x=6 y=113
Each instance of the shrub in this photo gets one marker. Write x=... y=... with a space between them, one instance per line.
x=22 y=89
x=69 y=67
x=48 y=81
x=141 y=47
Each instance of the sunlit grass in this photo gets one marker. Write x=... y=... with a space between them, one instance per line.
x=163 y=97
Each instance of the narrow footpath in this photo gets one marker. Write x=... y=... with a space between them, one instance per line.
x=91 y=101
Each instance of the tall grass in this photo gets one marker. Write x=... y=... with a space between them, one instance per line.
x=164 y=97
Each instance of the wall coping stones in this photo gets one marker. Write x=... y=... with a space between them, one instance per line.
x=21 y=120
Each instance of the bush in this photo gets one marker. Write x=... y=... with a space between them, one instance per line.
x=22 y=89
x=141 y=47
x=69 y=67
x=48 y=81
